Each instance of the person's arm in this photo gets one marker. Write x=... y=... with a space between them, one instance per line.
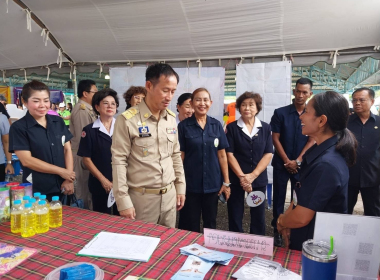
x=67 y=116
x=38 y=165
x=106 y=184
x=68 y=186
x=278 y=146
x=9 y=168
x=179 y=182
x=222 y=157
x=121 y=148
x=183 y=156
x=309 y=144
x=296 y=218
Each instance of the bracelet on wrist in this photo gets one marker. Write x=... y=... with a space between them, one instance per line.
x=226 y=184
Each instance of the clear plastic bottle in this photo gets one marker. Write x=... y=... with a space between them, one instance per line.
x=34 y=203
x=25 y=199
x=42 y=217
x=16 y=212
x=36 y=195
x=55 y=213
x=43 y=198
x=28 y=221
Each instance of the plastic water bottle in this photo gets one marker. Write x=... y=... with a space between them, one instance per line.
x=28 y=221
x=34 y=203
x=42 y=217
x=25 y=199
x=55 y=213
x=43 y=198
x=16 y=212
x=36 y=195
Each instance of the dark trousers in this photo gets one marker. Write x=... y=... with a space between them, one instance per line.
x=235 y=205
x=99 y=204
x=2 y=172
x=371 y=200
x=197 y=204
x=280 y=183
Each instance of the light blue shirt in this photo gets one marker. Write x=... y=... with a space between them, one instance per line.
x=4 y=130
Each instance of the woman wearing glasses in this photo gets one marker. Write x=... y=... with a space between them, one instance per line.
x=133 y=96
x=95 y=148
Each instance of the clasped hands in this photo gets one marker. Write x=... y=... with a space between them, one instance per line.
x=291 y=166
x=246 y=181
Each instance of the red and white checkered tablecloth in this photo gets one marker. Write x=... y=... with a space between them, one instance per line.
x=59 y=246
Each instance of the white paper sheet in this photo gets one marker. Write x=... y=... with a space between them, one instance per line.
x=356 y=241
x=121 y=246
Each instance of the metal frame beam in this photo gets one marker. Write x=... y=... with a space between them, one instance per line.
x=366 y=70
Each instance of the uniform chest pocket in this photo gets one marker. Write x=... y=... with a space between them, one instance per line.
x=144 y=148
x=171 y=140
x=213 y=140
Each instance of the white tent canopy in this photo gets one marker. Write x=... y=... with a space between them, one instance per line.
x=180 y=30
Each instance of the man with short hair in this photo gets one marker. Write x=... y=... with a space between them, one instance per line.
x=290 y=145
x=147 y=170
x=65 y=114
x=81 y=116
x=365 y=174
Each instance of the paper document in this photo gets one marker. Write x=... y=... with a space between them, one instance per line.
x=121 y=246
x=356 y=242
x=194 y=268
x=207 y=254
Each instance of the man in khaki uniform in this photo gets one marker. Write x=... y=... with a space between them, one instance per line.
x=81 y=116
x=147 y=170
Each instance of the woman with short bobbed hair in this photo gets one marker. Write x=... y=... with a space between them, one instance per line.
x=323 y=183
x=184 y=108
x=95 y=148
x=249 y=154
x=133 y=96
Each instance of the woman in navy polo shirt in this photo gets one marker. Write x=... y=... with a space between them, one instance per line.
x=249 y=154
x=95 y=148
x=323 y=184
x=42 y=143
x=203 y=145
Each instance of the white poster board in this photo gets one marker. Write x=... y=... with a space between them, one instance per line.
x=356 y=242
x=211 y=78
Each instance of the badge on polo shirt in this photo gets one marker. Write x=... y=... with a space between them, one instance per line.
x=145 y=152
x=216 y=142
x=171 y=130
x=376 y=127
x=295 y=200
x=63 y=140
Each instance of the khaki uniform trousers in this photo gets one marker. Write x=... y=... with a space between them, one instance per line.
x=155 y=208
x=81 y=186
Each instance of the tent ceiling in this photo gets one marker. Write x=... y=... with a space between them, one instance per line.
x=179 y=30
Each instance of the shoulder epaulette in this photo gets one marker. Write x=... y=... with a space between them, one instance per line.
x=130 y=113
x=82 y=106
x=170 y=113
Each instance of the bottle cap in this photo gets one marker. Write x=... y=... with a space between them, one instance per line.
x=55 y=198
x=42 y=196
x=42 y=202
x=28 y=205
x=32 y=200
x=36 y=194
x=26 y=197
x=17 y=202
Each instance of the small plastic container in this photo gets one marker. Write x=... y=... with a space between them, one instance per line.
x=16 y=192
x=42 y=217
x=34 y=203
x=25 y=199
x=43 y=198
x=54 y=275
x=4 y=205
x=16 y=212
x=28 y=221
x=55 y=213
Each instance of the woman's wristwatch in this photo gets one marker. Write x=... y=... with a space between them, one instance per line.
x=9 y=162
x=226 y=184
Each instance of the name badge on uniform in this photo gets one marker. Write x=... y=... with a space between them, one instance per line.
x=216 y=142
x=295 y=200
x=171 y=131
x=63 y=140
x=144 y=131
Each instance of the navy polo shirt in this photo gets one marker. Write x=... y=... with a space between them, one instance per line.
x=201 y=163
x=249 y=151
x=323 y=186
x=97 y=146
x=46 y=144
x=286 y=121
x=366 y=172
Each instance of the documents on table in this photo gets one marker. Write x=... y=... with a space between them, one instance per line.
x=121 y=246
x=261 y=269
x=207 y=254
x=194 y=268
x=356 y=242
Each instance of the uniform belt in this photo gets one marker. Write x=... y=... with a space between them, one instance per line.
x=153 y=191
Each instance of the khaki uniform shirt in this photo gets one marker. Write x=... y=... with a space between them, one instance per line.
x=153 y=161
x=81 y=116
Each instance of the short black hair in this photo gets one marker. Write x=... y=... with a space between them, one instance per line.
x=183 y=97
x=154 y=72
x=101 y=94
x=85 y=85
x=304 y=81
x=34 y=85
x=370 y=91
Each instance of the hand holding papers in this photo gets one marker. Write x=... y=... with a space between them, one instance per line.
x=121 y=246
x=207 y=254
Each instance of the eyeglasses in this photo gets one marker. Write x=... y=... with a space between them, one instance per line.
x=108 y=104
x=139 y=98
x=361 y=100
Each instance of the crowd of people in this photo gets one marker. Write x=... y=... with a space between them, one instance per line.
x=157 y=163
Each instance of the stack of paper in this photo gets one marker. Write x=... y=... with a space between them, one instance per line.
x=261 y=269
x=121 y=246
x=193 y=268
x=207 y=254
